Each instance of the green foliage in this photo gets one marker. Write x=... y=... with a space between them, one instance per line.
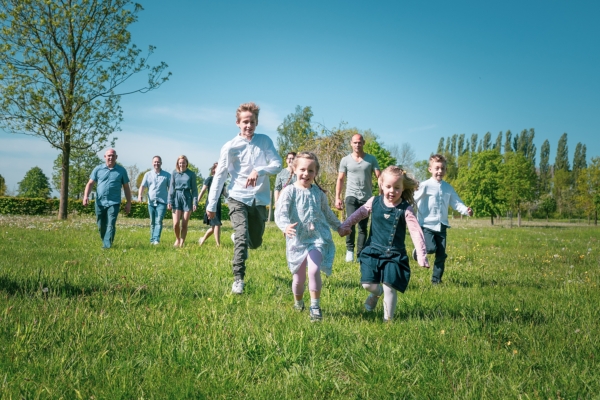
x=561 y=162
x=516 y=318
x=383 y=156
x=588 y=188
x=422 y=170
x=199 y=178
x=2 y=186
x=81 y=165
x=296 y=132
x=545 y=176
x=481 y=185
x=61 y=64
x=519 y=181
x=547 y=205
x=35 y=184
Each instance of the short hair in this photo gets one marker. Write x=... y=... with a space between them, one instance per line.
x=437 y=158
x=409 y=185
x=252 y=107
x=182 y=157
x=362 y=138
x=158 y=158
x=213 y=168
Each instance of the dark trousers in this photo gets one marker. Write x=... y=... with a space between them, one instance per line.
x=436 y=244
x=106 y=218
x=249 y=226
x=353 y=204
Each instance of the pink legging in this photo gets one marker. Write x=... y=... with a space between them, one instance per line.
x=312 y=262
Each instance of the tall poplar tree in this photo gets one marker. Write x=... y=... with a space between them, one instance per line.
x=61 y=64
x=498 y=144
x=487 y=141
x=545 y=167
x=508 y=141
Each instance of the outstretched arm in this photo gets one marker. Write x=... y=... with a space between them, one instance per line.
x=360 y=214
x=416 y=234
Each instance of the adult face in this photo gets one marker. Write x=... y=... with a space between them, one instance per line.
x=357 y=144
x=182 y=164
x=111 y=158
x=156 y=163
x=289 y=159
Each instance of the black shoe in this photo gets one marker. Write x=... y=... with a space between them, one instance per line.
x=414 y=255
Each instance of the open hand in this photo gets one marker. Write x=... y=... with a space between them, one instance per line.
x=290 y=230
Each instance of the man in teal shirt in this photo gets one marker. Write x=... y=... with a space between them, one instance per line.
x=110 y=178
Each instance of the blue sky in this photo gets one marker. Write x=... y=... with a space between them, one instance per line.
x=409 y=71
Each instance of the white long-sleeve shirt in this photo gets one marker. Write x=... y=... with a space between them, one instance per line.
x=433 y=199
x=239 y=157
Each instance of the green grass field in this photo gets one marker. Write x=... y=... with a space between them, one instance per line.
x=517 y=317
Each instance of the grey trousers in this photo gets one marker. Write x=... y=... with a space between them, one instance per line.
x=249 y=226
x=353 y=204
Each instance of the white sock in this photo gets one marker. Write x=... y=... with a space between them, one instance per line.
x=390 y=298
x=315 y=303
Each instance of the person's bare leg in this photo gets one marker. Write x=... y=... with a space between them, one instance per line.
x=184 y=226
x=206 y=236
x=218 y=235
x=176 y=228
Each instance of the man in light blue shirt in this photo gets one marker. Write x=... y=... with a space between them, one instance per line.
x=249 y=158
x=157 y=181
x=433 y=198
x=110 y=178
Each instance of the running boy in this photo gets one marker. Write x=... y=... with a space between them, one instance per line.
x=249 y=158
x=433 y=198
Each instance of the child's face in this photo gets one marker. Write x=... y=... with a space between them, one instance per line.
x=437 y=170
x=391 y=186
x=305 y=171
x=247 y=124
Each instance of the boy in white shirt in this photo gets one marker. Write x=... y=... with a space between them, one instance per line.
x=249 y=158
x=433 y=198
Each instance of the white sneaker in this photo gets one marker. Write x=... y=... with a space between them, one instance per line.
x=155 y=243
x=349 y=256
x=237 y=287
x=371 y=301
x=233 y=237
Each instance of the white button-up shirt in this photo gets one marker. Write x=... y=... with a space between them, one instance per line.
x=433 y=199
x=239 y=157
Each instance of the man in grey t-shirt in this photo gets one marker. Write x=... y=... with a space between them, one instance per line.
x=360 y=168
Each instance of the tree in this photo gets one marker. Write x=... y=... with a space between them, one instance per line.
x=561 y=161
x=383 y=156
x=199 y=178
x=547 y=205
x=473 y=143
x=487 y=141
x=422 y=170
x=480 y=185
x=35 y=184
x=82 y=163
x=2 y=186
x=404 y=155
x=440 y=148
x=498 y=144
x=461 y=144
x=519 y=181
x=545 y=167
x=61 y=64
x=296 y=132
x=588 y=189
x=579 y=160
x=507 y=141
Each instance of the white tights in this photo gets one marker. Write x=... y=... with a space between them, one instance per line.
x=313 y=263
x=390 y=298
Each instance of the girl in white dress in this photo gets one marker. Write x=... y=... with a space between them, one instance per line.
x=304 y=215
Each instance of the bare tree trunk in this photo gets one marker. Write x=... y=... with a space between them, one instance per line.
x=492 y=218
x=64 y=182
x=519 y=218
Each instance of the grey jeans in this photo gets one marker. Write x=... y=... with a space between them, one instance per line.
x=249 y=226
x=353 y=204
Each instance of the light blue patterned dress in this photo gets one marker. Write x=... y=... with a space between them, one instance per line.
x=310 y=208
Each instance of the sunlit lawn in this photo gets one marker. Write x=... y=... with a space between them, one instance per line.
x=517 y=317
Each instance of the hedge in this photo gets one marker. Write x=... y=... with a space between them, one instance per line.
x=26 y=206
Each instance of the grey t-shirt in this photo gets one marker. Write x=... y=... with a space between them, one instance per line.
x=282 y=179
x=359 y=176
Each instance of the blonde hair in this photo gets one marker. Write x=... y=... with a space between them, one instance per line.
x=177 y=162
x=409 y=185
x=252 y=107
x=308 y=156
x=437 y=158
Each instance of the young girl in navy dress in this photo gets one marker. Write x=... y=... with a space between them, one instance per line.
x=384 y=262
x=304 y=215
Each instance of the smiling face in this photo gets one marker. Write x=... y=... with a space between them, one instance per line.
x=156 y=163
x=437 y=169
x=181 y=164
x=111 y=158
x=391 y=186
x=247 y=123
x=305 y=171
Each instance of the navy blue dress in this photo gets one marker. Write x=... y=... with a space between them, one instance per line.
x=384 y=258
